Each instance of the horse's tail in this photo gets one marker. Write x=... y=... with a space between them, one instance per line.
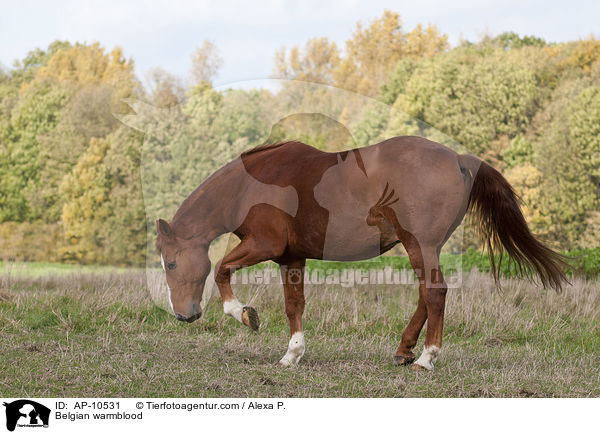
x=503 y=227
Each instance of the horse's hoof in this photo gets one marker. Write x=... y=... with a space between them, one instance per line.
x=421 y=368
x=403 y=360
x=250 y=317
x=285 y=362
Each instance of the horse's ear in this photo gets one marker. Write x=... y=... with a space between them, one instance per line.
x=163 y=228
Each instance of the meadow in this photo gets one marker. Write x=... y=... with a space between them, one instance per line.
x=91 y=331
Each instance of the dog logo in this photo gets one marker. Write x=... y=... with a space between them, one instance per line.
x=26 y=413
x=294 y=276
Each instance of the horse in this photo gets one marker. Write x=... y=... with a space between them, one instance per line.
x=288 y=202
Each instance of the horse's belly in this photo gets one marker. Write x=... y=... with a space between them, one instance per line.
x=351 y=239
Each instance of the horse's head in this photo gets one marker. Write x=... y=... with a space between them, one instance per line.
x=187 y=265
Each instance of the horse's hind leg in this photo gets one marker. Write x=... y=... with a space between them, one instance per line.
x=424 y=259
x=292 y=274
x=404 y=355
x=249 y=252
x=432 y=297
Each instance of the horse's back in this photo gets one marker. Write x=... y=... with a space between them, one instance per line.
x=296 y=162
x=291 y=163
x=411 y=150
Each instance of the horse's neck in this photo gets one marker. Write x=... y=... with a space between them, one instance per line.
x=206 y=213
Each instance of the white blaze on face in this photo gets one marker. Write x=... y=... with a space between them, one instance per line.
x=162 y=261
x=233 y=308
x=429 y=355
x=295 y=351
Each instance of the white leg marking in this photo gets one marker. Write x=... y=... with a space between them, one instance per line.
x=162 y=261
x=233 y=308
x=295 y=350
x=428 y=357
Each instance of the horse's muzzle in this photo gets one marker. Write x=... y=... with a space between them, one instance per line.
x=197 y=314
x=189 y=319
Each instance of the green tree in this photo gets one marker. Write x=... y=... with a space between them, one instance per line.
x=372 y=125
x=315 y=62
x=36 y=113
x=519 y=152
x=26 y=69
x=373 y=51
x=477 y=96
x=566 y=152
x=369 y=56
x=86 y=190
x=241 y=115
x=509 y=40
x=397 y=80
x=103 y=215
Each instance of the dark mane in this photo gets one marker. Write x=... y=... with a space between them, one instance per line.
x=265 y=147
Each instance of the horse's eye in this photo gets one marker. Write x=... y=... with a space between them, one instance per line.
x=172 y=265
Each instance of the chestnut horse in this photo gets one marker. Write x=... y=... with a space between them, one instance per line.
x=289 y=201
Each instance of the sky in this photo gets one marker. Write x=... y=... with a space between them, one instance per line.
x=165 y=33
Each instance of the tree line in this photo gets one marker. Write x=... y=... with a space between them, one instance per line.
x=84 y=169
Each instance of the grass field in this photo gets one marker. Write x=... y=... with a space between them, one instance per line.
x=99 y=333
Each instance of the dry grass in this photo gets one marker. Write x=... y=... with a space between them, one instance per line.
x=102 y=335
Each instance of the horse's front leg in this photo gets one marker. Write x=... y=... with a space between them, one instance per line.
x=292 y=274
x=247 y=253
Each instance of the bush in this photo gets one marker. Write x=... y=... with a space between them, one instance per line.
x=29 y=241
